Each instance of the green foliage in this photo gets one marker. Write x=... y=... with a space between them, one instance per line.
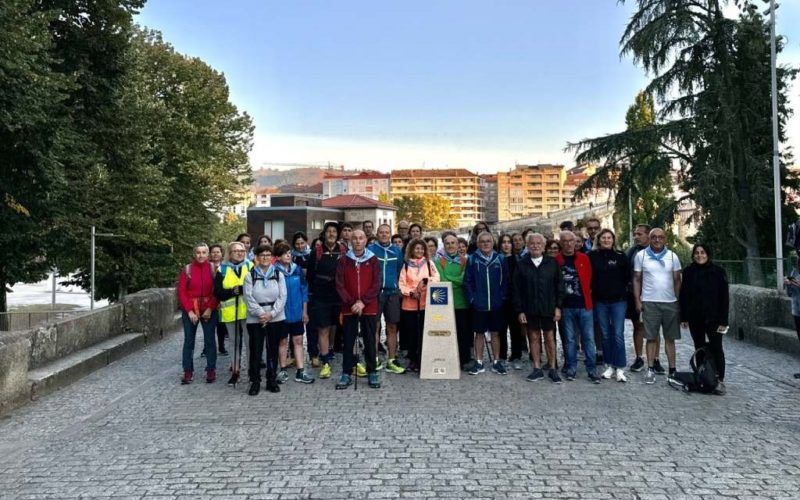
x=711 y=74
x=106 y=125
x=432 y=211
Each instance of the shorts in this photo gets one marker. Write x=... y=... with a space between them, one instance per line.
x=323 y=314
x=389 y=306
x=661 y=316
x=544 y=323
x=491 y=321
x=293 y=329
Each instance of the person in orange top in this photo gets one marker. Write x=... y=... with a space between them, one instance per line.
x=415 y=275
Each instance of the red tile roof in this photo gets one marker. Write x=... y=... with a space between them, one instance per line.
x=354 y=201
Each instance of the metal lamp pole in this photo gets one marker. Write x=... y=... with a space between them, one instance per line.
x=92 y=266
x=776 y=171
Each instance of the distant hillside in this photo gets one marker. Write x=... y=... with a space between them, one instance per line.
x=302 y=175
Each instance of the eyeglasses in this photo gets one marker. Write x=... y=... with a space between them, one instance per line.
x=264 y=255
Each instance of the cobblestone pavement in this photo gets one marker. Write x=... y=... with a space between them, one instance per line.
x=130 y=430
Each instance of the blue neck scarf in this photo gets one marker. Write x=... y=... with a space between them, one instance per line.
x=264 y=275
x=658 y=257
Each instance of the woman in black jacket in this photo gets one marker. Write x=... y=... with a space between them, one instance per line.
x=704 y=306
x=611 y=272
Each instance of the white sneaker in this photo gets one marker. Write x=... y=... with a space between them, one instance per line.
x=608 y=373
x=621 y=375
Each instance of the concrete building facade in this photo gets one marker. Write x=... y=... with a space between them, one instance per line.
x=463 y=189
x=490 y=200
x=530 y=191
x=368 y=184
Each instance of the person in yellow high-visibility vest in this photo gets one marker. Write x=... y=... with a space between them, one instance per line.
x=228 y=288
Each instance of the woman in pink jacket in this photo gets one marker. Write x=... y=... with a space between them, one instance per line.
x=415 y=275
x=198 y=306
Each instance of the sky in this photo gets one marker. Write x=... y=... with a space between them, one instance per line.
x=422 y=84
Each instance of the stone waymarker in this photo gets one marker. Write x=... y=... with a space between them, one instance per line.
x=439 y=343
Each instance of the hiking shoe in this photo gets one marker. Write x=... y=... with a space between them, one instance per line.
x=234 y=379
x=650 y=376
x=570 y=376
x=516 y=364
x=255 y=387
x=314 y=361
x=608 y=373
x=282 y=376
x=325 y=372
x=344 y=382
x=378 y=364
x=536 y=375
x=187 y=378
x=303 y=377
x=553 y=374
x=720 y=390
x=393 y=367
x=594 y=378
x=272 y=386
x=499 y=368
x=477 y=367
x=211 y=376
x=223 y=352
x=658 y=368
x=621 y=375
x=637 y=365
x=375 y=380
x=361 y=370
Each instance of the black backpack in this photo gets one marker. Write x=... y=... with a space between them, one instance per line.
x=702 y=378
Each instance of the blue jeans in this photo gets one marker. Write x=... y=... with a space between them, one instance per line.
x=611 y=318
x=579 y=321
x=209 y=341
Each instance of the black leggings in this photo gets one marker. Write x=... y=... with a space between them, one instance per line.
x=411 y=324
x=221 y=332
x=258 y=335
x=706 y=336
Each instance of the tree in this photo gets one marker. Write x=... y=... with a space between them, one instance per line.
x=712 y=76
x=432 y=211
x=32 y=138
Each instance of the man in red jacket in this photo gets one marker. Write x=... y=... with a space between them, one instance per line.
x=358 y=283
x=576 y=307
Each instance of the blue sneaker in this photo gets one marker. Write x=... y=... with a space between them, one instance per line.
x=374 y=380
x=499 y=368
x=477 y=367
x=536 y=374
x=344 y=382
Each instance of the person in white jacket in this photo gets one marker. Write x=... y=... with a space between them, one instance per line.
x=265 y=296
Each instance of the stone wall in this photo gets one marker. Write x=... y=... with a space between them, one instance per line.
x=762 y=316
x=150 y=312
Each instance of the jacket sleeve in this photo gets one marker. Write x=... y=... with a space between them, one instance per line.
x=683 y=295
x=219 y=292
x=375 y=286
x=341 y=284
x=280 y=302
x=724 y=298
x=469 y=282
x=252 y=304
x=516 y=289
x=558 y=286
x=303 y=286
x=402 y=282
x=434 y=277
x=505 y=280
x=183 y=296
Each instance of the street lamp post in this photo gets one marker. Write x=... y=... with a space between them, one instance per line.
x=92 y=266
x=776 y=170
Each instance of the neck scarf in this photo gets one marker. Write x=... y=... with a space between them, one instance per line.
x=658 y=257
x=364 y=257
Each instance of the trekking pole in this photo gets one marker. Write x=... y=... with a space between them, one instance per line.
x=237 y=339
x=487 y=340
x=356 y=348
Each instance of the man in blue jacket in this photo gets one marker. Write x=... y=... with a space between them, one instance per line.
x=390 y=259
x=485 y=288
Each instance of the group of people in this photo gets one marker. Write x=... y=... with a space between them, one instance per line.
x=517 y=293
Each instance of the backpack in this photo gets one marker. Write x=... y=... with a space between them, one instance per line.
x=702 y=378
x=318 y=249
x=443 y=262
x=255 y=277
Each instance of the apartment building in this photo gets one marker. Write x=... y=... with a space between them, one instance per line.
x=490 y=200
x=369 y=184
x=464 y=189
x=530 y=191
